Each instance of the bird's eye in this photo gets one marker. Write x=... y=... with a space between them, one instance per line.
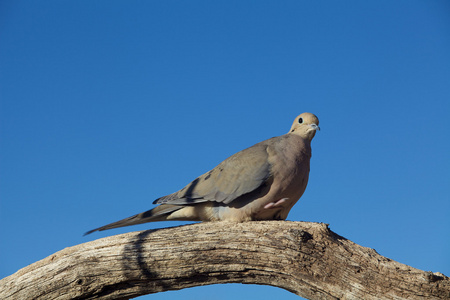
x=300 y=120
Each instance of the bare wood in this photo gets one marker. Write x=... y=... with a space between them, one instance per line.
x=305 y=258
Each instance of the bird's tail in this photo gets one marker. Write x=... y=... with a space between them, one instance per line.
x=159 y=213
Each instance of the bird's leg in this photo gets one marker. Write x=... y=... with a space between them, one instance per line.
x=275 y=204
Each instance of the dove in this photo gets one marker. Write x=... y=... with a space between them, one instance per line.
x=262 y=182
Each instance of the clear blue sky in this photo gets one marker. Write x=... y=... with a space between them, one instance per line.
x=107 y=105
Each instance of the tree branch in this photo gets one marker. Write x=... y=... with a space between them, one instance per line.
x=307 y=259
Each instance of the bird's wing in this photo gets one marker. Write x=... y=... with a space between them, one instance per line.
x=239 y=174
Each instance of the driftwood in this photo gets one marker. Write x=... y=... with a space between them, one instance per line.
x=307 y=259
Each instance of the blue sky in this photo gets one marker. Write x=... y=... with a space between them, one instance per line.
x=107 y=105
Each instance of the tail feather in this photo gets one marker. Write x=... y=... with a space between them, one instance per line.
x=159 y=213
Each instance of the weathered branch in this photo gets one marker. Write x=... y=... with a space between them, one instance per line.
x=305 y=258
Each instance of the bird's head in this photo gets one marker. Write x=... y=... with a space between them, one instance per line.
x=305 y=125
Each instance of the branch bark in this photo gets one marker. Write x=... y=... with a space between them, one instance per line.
x=307 y=259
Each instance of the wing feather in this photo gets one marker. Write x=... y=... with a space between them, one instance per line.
x=239 y=174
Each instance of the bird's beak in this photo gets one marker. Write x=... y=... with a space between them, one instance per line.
x=314 y=126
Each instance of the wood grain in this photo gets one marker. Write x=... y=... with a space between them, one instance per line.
x=307 y=259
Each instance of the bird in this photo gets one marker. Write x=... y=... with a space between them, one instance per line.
x=262 y=182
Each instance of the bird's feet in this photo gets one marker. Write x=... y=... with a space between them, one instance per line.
x=277 y=204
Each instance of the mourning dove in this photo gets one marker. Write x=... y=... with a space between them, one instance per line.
x=262 y=182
